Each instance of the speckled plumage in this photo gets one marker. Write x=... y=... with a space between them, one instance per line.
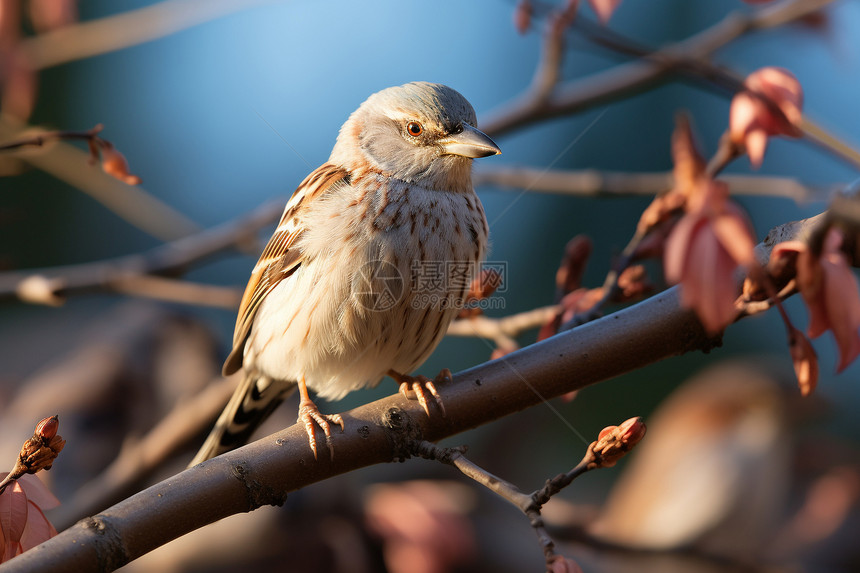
x=316 y=308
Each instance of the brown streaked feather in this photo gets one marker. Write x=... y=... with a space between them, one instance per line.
x=278 y=260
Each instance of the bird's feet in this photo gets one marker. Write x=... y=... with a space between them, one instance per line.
x=417 y=387
x=309 y=415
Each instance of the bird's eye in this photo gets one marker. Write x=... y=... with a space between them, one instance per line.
x=414 y=128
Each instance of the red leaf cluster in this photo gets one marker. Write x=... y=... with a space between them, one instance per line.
x=830 y=291
x=770 y=105
x=710 y=241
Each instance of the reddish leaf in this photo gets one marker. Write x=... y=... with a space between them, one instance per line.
x=569 y=275
x=38 y=492
x=13 y=518
x=38 y=528
x=770 y=105
x=781 y=88
x=831 y=294
x=704 y=251
x=842 y=303
x=733 y=230
x=677 y=250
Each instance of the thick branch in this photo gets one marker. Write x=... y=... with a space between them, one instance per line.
x=137 y=460
x=265 y=471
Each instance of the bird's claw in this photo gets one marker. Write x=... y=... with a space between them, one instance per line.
x=417 y=387
x=309 y=415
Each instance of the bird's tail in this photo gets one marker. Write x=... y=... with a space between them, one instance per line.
x=252 y=402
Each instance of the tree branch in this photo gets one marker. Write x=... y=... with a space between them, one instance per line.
x=577 y=95
x=265 y=471
x=50 y=286
x=688 y=57
x=591 y=182
x=130 y=202
x=138 y=459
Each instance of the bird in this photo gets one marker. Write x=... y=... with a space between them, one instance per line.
x=374 y=253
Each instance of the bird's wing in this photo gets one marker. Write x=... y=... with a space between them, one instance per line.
x=279 y=259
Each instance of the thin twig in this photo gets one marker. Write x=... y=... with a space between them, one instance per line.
x=611 y=445
x=502 y=330
x=595 y=183
x=576 y=95
x=41 y=138
x=178 y=291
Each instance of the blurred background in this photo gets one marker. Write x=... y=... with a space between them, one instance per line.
x=221 y=117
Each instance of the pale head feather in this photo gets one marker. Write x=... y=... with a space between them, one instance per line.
x=375 y=136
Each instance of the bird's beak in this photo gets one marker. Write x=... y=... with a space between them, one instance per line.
x=469 y=143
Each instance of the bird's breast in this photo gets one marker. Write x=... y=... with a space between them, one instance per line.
x=388 y=267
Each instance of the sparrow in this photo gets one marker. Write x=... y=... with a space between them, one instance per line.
x=370 y=262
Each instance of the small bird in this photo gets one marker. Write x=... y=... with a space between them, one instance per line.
x=371 y=259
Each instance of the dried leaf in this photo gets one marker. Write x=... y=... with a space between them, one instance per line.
x=689 y=166
x=805 y=361
x=569 y=275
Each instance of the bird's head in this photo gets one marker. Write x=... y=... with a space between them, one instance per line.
x=418 y=132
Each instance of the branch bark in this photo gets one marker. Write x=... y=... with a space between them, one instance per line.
x=264 y=472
